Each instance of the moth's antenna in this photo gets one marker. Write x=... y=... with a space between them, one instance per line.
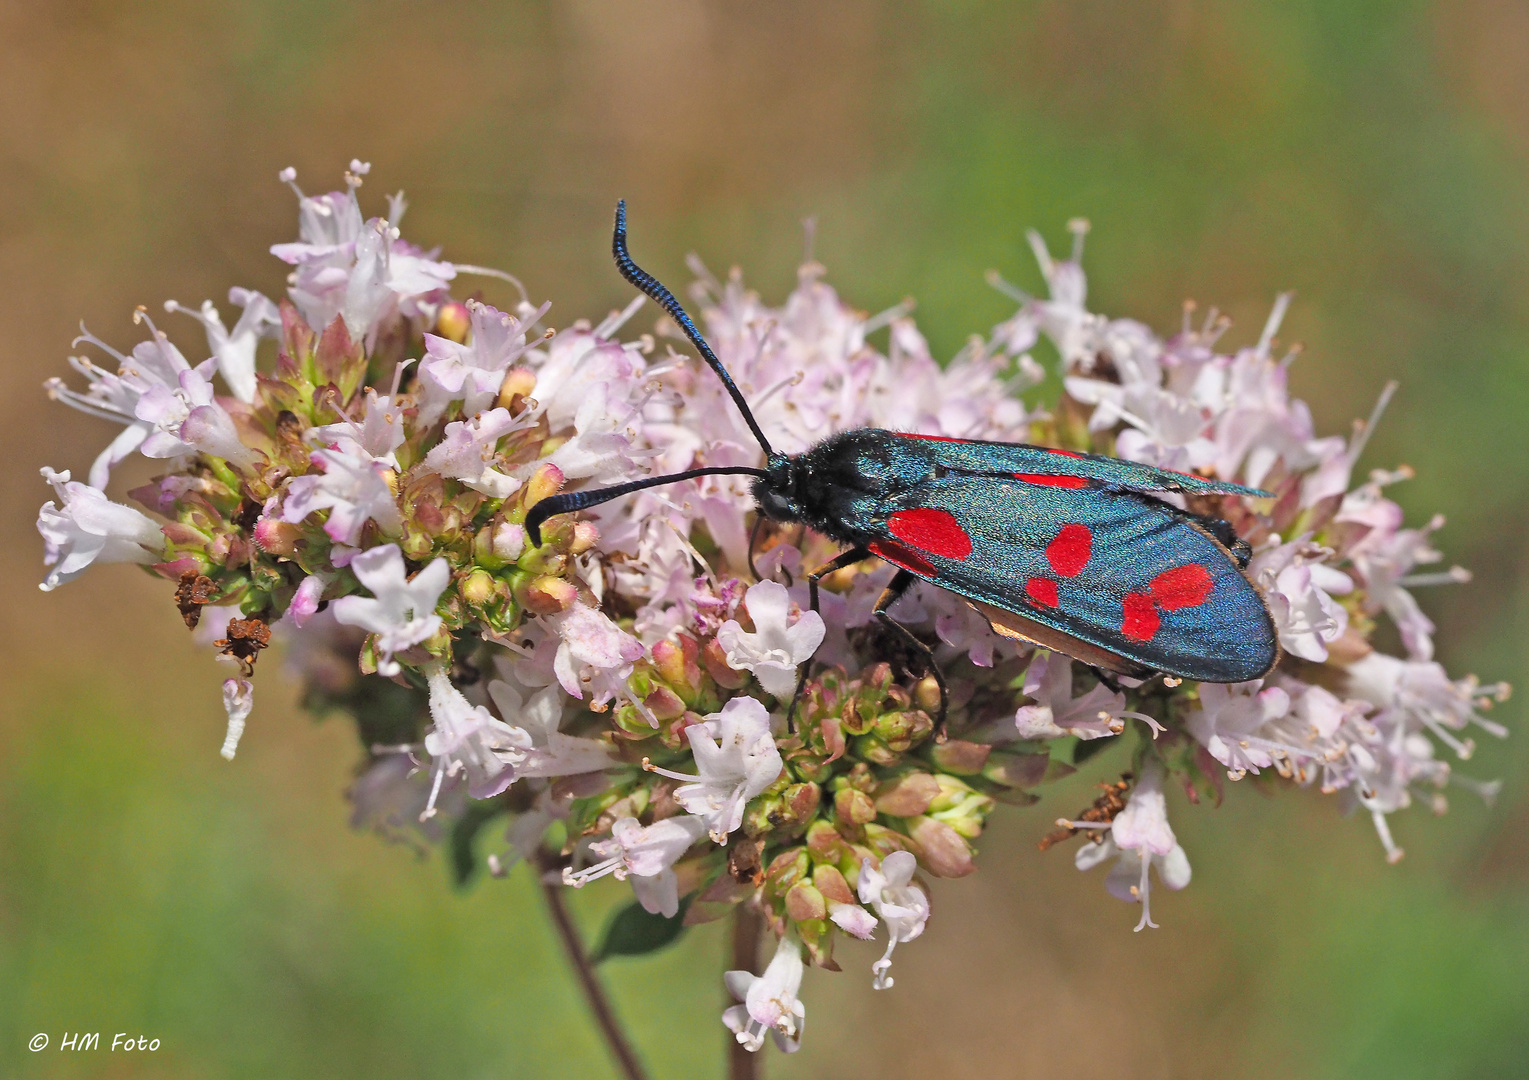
x=665 y=299
x=578 y=500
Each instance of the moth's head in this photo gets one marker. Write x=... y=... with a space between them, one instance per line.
x=775 y=492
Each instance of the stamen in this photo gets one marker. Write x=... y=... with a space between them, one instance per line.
x=1455 y=575
x=1008 y=288
x=1362 y=435
x=1144 y=891
x=1271 y=327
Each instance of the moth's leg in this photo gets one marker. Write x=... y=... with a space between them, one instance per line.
x=838 y=562
x=754 y=539
x=889 y=596
x=1106 y=678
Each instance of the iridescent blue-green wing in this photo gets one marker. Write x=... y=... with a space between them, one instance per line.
x=1115 y=578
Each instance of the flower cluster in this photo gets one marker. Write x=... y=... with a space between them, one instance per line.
x=357 y=488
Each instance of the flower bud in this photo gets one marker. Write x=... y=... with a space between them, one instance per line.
x=516 y=388
x=926 y=694
x=664 y=703
x=761 y=814
x=676 y=664
x=714 y=660
x=804 y=902
x=825 y=843
x=901 y=730
x=478 y=587
x=585 y=536
x=853 y=807
x=908 y=795
x=1017 y=770
x=874 y=749
x=453 y=321
x=277 y=537
x=882 y=841
x=544 y=483
x=830 y=882
x=785 y=870
x=548 y=595
x=959 y=756
x=945 y=853
x=799 y=803
x=509 y=541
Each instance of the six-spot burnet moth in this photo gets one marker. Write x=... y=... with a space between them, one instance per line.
x=1073 y=552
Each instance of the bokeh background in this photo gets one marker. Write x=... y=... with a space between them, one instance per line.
x=1372 y=155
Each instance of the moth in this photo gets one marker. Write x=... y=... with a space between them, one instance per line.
x=1078 y=553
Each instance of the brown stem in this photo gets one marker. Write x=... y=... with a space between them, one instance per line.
x=747 y=927
x=594 y=994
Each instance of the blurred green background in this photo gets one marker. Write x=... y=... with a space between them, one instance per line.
x=1374 y=156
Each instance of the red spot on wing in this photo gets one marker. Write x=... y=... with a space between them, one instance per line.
x=898 y=555
x=1065 y=453
x=1182 y=587
x=1048 y=480
x=1042 y=591
x=1139 y=621
x=935 y=531
x=1068 y=553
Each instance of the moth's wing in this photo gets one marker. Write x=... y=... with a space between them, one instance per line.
x=1117 y=579
x=995 y=458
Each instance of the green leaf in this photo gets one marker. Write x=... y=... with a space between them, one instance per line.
x=633 y=931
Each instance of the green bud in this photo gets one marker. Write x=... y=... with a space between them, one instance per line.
x=804 y=902
x=959 y=757
x=853 y=807
x=830 y=882
x=908 y=795
x=825 y=842
x=785 y=870
x=760 y=815
x=943 y=851
x=478 y=587
x=549 y=595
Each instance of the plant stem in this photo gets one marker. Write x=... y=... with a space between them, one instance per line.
x=747 y=926
x=594 y=993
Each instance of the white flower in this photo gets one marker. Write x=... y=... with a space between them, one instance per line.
x=901 y=905
x=645 y=856
x=358 y=270
x=1299 y=586
x=552 y=753
x=87 y=527
x=238 y=701
x=352 y=487
x=593 y=654
x=741 y=762
x=154 y=392
x=1423 y=692
x=468 y=450
x=468 y=738
x=1139 y=837
x=775 y=648
x=1229 y=719
x=769 y=1001
x=305 y=601
x=403 y=611
x=1385 y=558
x=234 y=350
x=472 y=373
x=1099 y=712
x=377 y=436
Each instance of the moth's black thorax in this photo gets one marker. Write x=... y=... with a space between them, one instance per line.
x=835 y=486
